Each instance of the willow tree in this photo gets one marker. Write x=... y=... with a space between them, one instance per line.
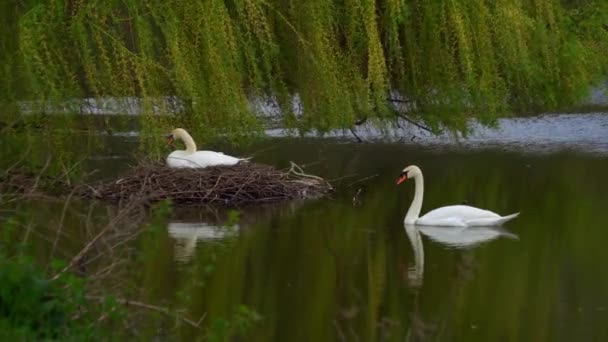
x=323 y=64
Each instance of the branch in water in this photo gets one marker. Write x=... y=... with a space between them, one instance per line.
x=399 y=100
x=360 y=122
x=402 y=116
x=405 y=117
x=355 y=134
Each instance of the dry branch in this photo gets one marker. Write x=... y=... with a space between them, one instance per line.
x=17 y=180
x=163 y=310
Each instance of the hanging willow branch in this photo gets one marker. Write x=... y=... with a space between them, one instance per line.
x=335 y=60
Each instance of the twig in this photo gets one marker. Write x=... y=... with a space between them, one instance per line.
x=355 y=134
x=391 y=99
x=311 y=163
x=402 y=116
x=88 y=246
x=60 y=227
x=255 y=153
x=67 y=171
x=46 y=165
x=362 y=180
x=297 y=170
x=333 y=180
x=155 y=308
x=21 y=158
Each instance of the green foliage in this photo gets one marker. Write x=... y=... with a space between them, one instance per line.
x=455 y=59
x=49 y=149
x=233 y=218
x=239 y=324
x=155 y=229
x=159 y=213
x=34 y=306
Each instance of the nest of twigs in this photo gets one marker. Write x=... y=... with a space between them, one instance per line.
x=245 y=183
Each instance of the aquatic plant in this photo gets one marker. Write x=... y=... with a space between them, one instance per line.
x=322 y=64
x=43 y=297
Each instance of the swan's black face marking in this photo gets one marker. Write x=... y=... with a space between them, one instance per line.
x=170 y=139
x=402 y=177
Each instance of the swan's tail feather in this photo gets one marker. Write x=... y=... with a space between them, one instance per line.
x=504 y=219
x=490 y=221
x=244 y=160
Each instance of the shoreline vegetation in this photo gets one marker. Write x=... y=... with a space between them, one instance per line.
x=85 y=289
x=322 y=64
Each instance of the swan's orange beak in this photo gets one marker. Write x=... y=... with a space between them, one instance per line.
x=402 y=178
x=170 y=139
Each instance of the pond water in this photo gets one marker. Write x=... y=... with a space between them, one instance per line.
x=345 y=268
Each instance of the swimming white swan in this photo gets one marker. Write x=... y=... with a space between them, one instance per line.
x=191 y=158
x=453 y=216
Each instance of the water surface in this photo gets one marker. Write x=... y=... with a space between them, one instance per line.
x=346 y=268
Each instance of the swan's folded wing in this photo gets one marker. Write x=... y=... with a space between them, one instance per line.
x=178 y=159
x=463 y=212
x=491 y=221
x=441 y=222
x=212 y=158
x=200 y=159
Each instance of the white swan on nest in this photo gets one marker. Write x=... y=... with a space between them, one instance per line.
x=191 y=158
x=453 y=215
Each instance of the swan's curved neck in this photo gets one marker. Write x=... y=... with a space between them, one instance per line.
x=414 y=211
x=188 y=141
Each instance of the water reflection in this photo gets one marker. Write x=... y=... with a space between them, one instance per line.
x=192 y=225
x=415 y=273
x=454 y=237
x=466 y=237
x=188 y=234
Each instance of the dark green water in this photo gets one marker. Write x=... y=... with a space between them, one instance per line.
x=331 y=269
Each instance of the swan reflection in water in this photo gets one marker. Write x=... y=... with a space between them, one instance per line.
x=454 y=237
x=415 y=273
x=187 y=234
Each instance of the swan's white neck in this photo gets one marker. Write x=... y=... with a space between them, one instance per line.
x=188 y=141
x=414 y=211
